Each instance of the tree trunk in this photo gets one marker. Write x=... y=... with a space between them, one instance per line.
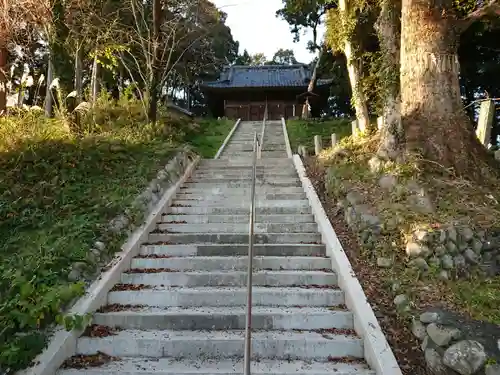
x=94 y=84
x=392 y=132
x=354 y=70
x=48 y=91
x=78 y=75
x=3 y=80
x=155 y=64
x=435 y=123
x=306 y=112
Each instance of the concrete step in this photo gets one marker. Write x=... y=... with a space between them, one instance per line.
x=243 y=174
x=228 y=278
x=237 y=219
x=225 y=318
x=238 y=162
x=259 y=189
x=217 y=210
x=289 y=168
x=240 y=202
x=282 y=181
x=238 y=228
x=278 y=250
x=222 y=344
x=239 y=184
x=233 y=238
x=170 y=366
x=227 y=296
x=236 y=194
x=232 y=263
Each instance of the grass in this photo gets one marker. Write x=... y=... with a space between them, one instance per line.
x=455 y=200
x=58 y=190
x=302 y=132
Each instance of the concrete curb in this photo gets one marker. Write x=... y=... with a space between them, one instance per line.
x=228 y=138
x=378 y=353
x=62 y=345
x=287 y=140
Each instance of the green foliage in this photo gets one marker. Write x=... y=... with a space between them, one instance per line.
x=302 y=132
x=480 y=297
x=207 y=137
x=58 y=191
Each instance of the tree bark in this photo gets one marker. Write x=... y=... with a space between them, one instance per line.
x=306 y=113
x=48 y=91
x=3 y=79
x=94 y=84
x=435 y=124
x=153 y=84
x=78 y=75
x=354 y=70
x=392 y=132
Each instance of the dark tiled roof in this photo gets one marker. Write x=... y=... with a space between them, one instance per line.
x=240 y=76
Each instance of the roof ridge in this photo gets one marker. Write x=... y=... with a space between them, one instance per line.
x=269 y=66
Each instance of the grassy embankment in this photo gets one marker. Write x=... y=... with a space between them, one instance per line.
x=58 y=190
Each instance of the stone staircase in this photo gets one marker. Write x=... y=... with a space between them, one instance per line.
x=180 y=309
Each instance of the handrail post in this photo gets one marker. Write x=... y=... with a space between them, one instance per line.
x=248 y=327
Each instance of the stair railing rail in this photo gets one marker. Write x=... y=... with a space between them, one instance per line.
x=257 y=147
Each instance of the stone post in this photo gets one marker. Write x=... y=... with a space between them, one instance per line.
x=317 y=145
x=334 y=140
x=302 y=151
x=485 y=121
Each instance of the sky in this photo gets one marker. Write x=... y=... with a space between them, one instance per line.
x=254 y=25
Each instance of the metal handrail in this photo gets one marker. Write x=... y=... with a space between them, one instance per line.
x=257 y=145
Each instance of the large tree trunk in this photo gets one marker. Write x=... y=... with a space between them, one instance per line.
x=392 y=133
x=354 y=70
x=306 y=113
x=435 y=123
x=3 y=80
x=155 y=64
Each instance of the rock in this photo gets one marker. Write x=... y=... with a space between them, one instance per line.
x=477 y=246
x=100 y=245
x=420 y=263
x=118 y=224
x=388 y=182
x=440 y=250
x=422 y=236
x=402 y=303
x=492 y=369
x=418 y=329
x=74 y=275
x=384 y=262
x=451 y=247
x=447 y=262
x=429 y=317
x=443 y=275
x=462 y=246
x=471 y=257
x=96 y=253
x=414 y=249
x=162 y=175
x=452 y=234
x=459 y=261
x=466 y=233
x=376 y=165
x=369 y=220
x=441 y=335
x=353 y=197
x=425 y=343
x=434 y=362
x=435 y=261
x=465 y=357
x=442 y=236
x=421 y=203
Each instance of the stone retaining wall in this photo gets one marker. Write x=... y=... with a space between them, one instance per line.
x=124 y=224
